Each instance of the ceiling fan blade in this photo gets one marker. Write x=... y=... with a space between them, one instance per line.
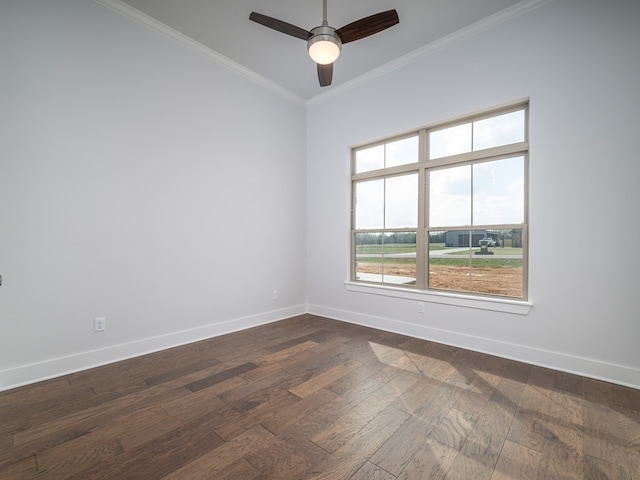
x=325 y=74
x=280 y=26
x=368 y=26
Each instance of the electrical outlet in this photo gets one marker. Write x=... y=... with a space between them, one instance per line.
x=99 y=324
x=420 y=307
x=274 y=295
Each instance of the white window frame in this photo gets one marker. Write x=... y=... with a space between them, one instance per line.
x=421 y=291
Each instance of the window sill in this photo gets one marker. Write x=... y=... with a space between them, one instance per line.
x=517 y=307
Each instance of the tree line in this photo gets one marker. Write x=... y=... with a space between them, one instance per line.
x=392 y=237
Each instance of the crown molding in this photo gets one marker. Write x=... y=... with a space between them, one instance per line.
x=517 y=10
x=158 y=27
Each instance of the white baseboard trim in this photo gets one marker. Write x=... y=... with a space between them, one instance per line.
x=586 y=367
x=57 y=367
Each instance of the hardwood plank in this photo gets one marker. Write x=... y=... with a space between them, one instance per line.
x=523 y=429
x=76 y=424
x=213 y=462
x=349 y=424
x=483 y=380
x=369 y=471
x=615 y=396
x=395 y=357
x=369 y=369
x=265 y=411
x=560 y=461
x=293 y=413
x=103 y=441
x=454 y=428
x=20 y=417
x=287 y=354
x=20 y=470
x=178 y=372
x=50 y=466
x=330 y=353
x=597 y=469
x=415 y=396
x=431 y=462
x=26 y=406
x=164 y=453
x=285 y=460
x=270 y=378
x=221 y=376
x=199 y=403
x=317 y=337
x=398 y=450
x=239 y=470
x=322 y=418
x=135 y=439
x=516 y=462
x=325 y=378
x=353 y=454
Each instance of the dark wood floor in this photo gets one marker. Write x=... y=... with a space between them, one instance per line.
x=311 y=398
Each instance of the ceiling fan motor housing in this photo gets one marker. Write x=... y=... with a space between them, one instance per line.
x=324 y=44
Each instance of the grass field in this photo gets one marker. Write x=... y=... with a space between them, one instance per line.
x=389 y=248
x=476 y=262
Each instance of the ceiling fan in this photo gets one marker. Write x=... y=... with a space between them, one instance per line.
x=325 y=42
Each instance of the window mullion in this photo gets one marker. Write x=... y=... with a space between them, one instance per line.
x=422 y=244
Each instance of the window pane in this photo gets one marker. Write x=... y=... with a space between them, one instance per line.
x=450 y=141
x=399 y=258
x=386 y=258
x=449 y=260
x=498 y=191
x=368 y=251
x=369 y=159
x=501 y=130
x=498 y=270
x=450 y=197
x=437 y=240
x=402 y=152
x=369 y=204
x=401 y=201
x=495 y=269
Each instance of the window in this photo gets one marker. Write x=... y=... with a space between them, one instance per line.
x=445 y=208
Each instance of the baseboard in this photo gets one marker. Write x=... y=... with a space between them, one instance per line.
x=586 y=367
x=56 y=367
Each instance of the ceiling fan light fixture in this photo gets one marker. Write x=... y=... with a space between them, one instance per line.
x=325 y=42
x=324 y=45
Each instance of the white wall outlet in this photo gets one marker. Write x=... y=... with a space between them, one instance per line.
x=420 y=307
x=99 y=324
x=274 y=295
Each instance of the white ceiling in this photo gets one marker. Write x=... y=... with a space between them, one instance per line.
x=224 y=26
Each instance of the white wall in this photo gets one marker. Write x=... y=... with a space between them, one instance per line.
x=579 y=63
x=138 y=181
